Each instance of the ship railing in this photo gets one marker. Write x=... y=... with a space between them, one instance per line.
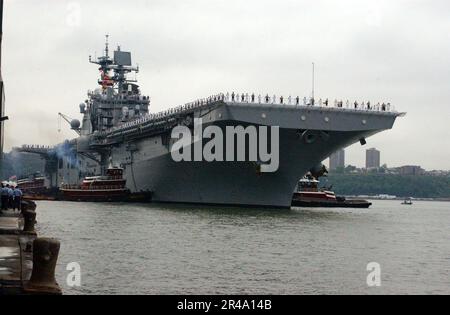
x=117 y=177
x=36 y=148
x=103 y=187
x=246 y=98
x=163 y=115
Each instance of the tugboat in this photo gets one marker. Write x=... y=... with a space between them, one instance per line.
x=32 y=184
x=36 y=187
x=110 y=187
x=308 y=194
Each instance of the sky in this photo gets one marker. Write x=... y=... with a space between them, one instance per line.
x=395 y=51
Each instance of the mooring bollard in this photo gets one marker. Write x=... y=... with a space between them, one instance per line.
x=29 y=222
x=45 y=256
x=28 y=247
x=27 y=205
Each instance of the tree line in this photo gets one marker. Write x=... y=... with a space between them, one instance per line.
x=399 y=185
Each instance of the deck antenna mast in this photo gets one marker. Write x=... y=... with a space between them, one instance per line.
x=106 y=46
x=313 y=79
x=114 y=69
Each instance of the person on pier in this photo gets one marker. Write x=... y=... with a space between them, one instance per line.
x=10 y=197
x=4 y=197
x=17 y=198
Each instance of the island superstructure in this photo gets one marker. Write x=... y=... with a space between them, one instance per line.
x=118 y=128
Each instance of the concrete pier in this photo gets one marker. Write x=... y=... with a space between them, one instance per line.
x=19 y=247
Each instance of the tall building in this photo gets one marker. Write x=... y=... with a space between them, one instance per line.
x=372 y=158
x=337 y=160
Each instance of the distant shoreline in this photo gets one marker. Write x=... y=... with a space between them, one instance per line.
x=398 y=198
x=376 y=186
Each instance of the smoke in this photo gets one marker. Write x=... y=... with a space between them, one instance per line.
x=67 y=153
x=21 y=165
x=25 y=164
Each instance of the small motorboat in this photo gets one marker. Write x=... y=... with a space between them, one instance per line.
x=407 y=201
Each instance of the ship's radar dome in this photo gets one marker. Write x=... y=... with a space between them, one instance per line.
x=75 y=124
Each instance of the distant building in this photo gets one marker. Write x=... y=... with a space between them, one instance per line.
x=337 y=160
x=411 y=170
x=437 y=173
x=372 y=158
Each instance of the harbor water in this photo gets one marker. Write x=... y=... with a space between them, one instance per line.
x=175 y=249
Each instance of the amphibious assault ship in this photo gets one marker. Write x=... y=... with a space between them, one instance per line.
x=117 y=128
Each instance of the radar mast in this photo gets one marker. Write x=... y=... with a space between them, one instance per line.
x=119 y=100
x=113 y=71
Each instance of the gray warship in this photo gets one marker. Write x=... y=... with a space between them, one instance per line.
x=117 y=128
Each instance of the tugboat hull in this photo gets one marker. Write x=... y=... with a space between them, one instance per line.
x=94 y=195
x=363 y=204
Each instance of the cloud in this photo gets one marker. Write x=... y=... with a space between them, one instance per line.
x=364 y=50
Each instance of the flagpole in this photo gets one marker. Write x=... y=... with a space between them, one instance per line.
x=313 y=74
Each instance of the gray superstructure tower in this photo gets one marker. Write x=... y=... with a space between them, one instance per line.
x=119 y=98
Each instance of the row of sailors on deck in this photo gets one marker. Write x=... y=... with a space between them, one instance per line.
x=32 y=146
x=245 y=98
x=307 y=102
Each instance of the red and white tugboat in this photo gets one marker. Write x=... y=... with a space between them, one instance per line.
x=36 y=187
x=34 y=184
x=309 y=194
x=110 y=187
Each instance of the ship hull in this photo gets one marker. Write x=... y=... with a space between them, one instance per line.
x=358 y=204
x=230 y=183
x=93 y=195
